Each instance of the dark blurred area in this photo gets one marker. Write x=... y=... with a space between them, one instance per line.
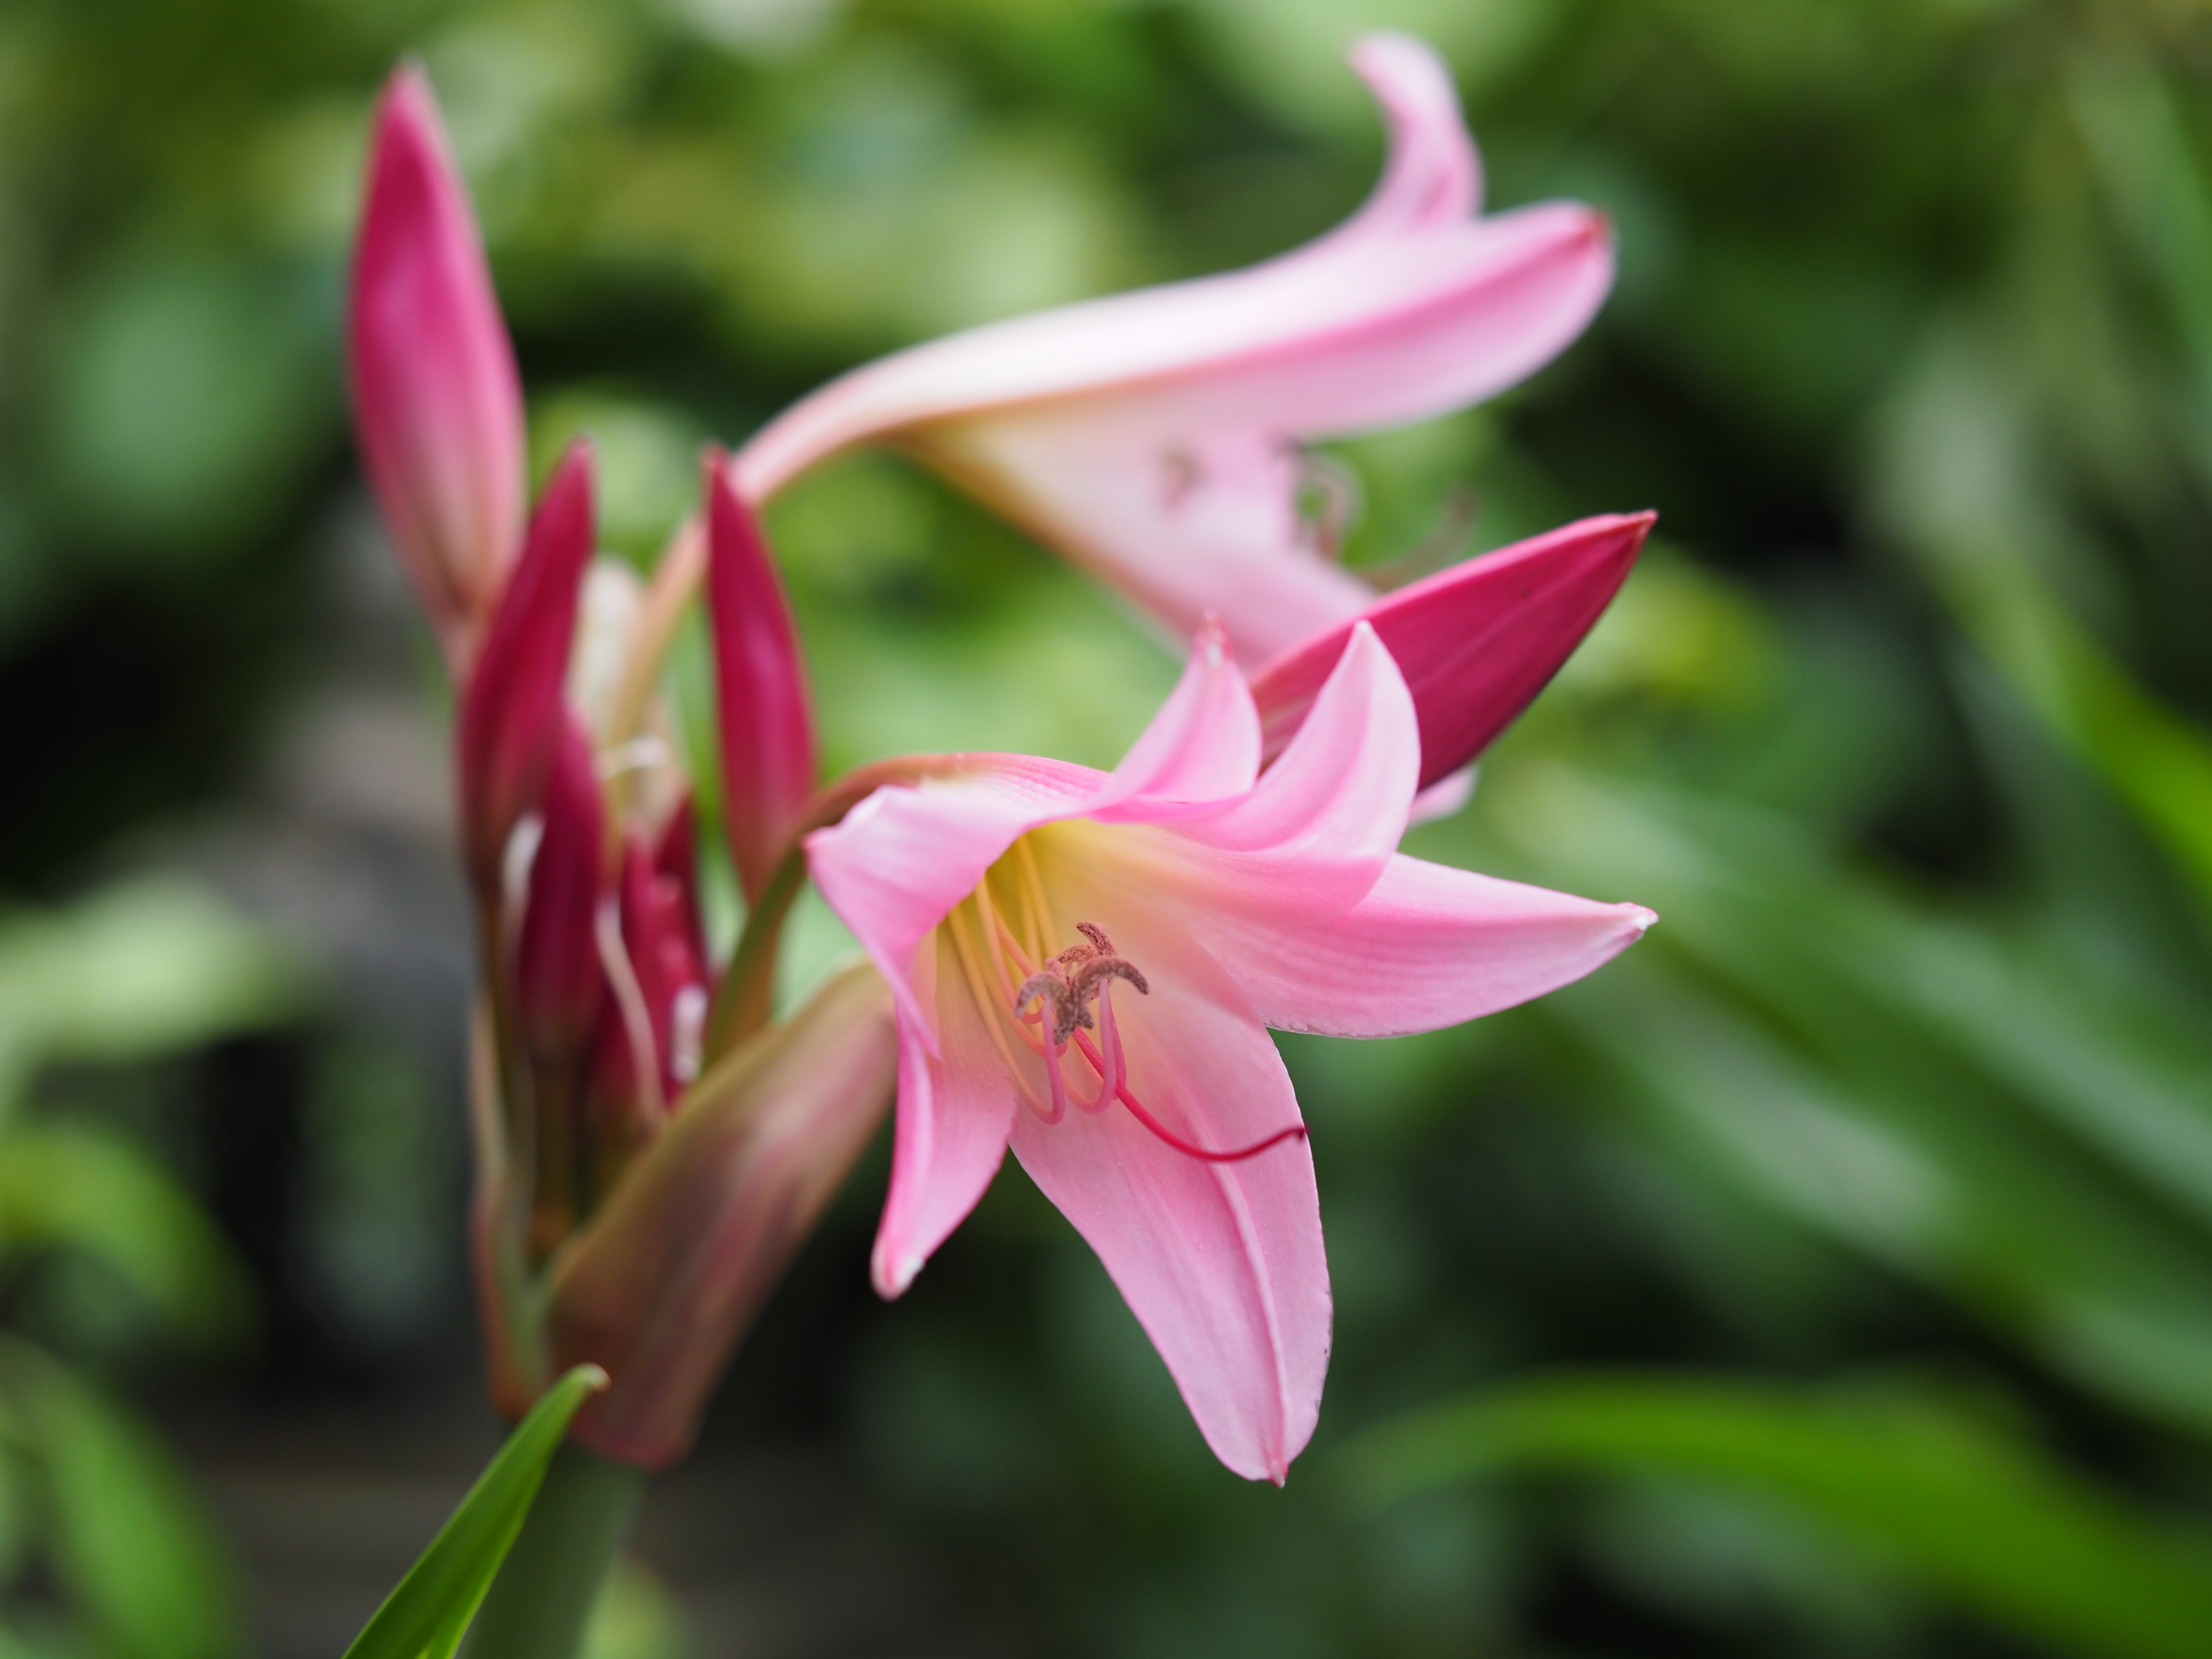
x=1903 y=1115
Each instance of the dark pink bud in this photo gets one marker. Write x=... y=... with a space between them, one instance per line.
x=658 y=935
x=511 y=706
x=437 y=406
x=677 y=860
x=1476 y=643
x=767 y=722
x=560 y=982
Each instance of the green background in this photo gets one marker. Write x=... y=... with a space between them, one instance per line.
x=1831 y=1275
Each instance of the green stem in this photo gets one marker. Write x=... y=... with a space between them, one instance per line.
x=541 y=1600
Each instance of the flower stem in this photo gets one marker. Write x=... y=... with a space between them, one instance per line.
x=541 y=1600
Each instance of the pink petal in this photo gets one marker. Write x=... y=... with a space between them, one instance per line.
x=1204 y=744
x=1315 y=831
x=767 y=721
x=955 y=1107
x=511 y=705
x=902 y=858
x=1476 y=643
x=1430 y=946
x=1222 y=1263
x=1150 y=435
x=1187 y=525
x=437 y=405
x=1446 y=798
x=1433 y=176
x=1347 y=334
x=674 y=1266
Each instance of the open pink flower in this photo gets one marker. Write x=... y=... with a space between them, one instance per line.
x=1153 y=436
x=437 y=405
x=1085 y=964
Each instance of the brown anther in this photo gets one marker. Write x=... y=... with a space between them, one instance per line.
x=1094 y=974
x=1068 y=983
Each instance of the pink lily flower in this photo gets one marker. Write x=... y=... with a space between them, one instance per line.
x=1153 y=436
x=1085 y=966
x=437 y=404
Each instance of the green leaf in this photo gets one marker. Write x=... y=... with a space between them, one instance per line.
x=143 y=968
x=132 y=1543
x=427 y=1614
x=1962 y=1511
x=83 y=1190
x=1957 y=1101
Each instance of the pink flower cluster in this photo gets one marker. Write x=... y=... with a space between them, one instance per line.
x=1081 y=966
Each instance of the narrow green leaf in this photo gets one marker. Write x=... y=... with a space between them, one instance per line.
x=1964 y=1512
x=144 y=967
x=427 y=1614
x=68 y=1189
x=133 y=1545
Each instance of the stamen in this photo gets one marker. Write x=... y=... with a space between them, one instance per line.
x=972 y=972
x=1328 y=500
x=1034 y=902
x=1138 y=1110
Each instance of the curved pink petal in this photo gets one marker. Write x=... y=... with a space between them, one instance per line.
x=1476 y=643
x=905 y=856
x=1433 y=176
x=1221 y=1262
x=1151 y=436
x=1315 y=831
x=437 y=404
x=511 y=706
x=1340 y=337
x=1204 y=744
x=956 y=1107
x=1185 y=525
x=1430 y=946
x=765 y=716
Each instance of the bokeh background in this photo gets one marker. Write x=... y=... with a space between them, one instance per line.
x=1830 y=1276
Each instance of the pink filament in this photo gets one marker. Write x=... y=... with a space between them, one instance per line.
x=1137 y=1110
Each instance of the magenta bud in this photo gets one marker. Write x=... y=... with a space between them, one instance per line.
x=437 y=405
x=766 y=719
x=1476 y=643
x=661 y=942
x=510 y=708
x=559 y=980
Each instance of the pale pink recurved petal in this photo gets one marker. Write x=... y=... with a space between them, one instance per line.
x=1433 y=175
x=766 y=717
x=1315 y=832
x=437 y=404
x=1428 y=947
x=1151 y=435
x=1204 y=743
x=1476 y=643
x=511 y=707
x=956 y=1107
x=1221 y=1262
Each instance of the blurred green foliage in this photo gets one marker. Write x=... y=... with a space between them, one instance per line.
x=104 y=1548
x=1903 y=731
